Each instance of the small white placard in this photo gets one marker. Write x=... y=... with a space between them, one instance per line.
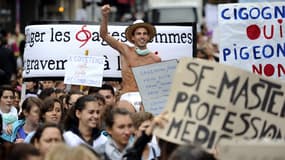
x=84 y=70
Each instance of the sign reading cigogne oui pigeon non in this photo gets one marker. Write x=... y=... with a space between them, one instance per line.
x=48 y=46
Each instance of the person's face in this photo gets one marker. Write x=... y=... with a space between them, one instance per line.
x=121 y=130
x=30 y=85
x=7 y=99
x=89 y=117
x=49 y=138
x=73 y=99
x=110 y=99
x=61 y=85
x=140 y=37
x=20 y=80
x=34 y=115
x=142 y=128
x=48 y=84
x=53 y=115
x=16 y=99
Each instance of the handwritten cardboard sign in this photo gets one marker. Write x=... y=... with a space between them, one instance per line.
x=154 y=82
x=211 y=103
x=252 y=37
x=84 y=70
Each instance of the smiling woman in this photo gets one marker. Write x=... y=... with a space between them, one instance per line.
x=82 y=123
x=51 y=111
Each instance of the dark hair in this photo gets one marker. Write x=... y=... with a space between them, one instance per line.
x=166 y=148
x=22 y=151
x=1 y=124
x=57 y=91
x=41 y=129
x=48 y=105
x=110 y=114
x=68 y=96
x=5 y=88
x=16 y=91
x=46 y=93
x=93 y=90
x=3 y=37
x=28 y=104
x=71 y=120
x=35 y=88
x=193 y=152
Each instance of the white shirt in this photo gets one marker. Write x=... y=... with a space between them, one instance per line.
x=72 y=140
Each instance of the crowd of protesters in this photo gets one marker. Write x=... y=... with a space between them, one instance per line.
x=90 y=124
x=53 y=123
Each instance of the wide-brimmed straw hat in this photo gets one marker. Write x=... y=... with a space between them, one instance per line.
x=140 y=23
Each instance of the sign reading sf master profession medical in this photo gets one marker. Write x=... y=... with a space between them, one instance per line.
x=211 y=103
x=252 y=37
x=49 y=46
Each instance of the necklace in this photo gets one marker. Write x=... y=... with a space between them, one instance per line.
x=142 y=52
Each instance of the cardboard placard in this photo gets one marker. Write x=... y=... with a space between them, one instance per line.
x=211 y=103
x=154 y=82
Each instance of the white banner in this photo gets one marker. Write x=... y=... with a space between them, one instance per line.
x=49 y=46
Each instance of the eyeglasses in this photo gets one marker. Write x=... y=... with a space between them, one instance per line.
x=6 y=97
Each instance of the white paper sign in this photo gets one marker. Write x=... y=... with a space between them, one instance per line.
x=84 y=70
x=252 y=37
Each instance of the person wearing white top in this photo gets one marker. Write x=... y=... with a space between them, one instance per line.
x=7 y=110
x=82 y=123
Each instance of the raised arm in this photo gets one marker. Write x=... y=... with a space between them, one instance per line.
x=105 y=10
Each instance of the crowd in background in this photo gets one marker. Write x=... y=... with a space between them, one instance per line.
x=50 y=122
x=55 y=121
x=80 y=120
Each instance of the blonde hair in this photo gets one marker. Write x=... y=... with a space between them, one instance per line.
x=64 y=152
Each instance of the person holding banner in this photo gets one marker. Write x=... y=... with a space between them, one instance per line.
x=139 y=33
